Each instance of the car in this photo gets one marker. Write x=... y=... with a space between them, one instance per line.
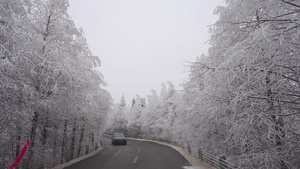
x=118 y=138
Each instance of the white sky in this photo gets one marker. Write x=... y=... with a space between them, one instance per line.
x=143 y=43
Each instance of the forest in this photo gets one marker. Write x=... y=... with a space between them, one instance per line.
x=241 y=101
x=50 y=90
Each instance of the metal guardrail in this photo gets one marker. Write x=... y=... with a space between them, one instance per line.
x=214 y=161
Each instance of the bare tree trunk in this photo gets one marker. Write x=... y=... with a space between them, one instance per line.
x=32 y=141
x=72 y=148
x=18 y=146
x=55 y=144
x=80 y=140
x=277 y=122
x=44 y=138
x=63 y=142
x=93 y=139
x=44 y=132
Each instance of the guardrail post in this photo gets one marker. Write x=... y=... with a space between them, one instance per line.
x=87 y=149
x=189 y=148
x=200 y=154
x=222 y=162
x=101 y=143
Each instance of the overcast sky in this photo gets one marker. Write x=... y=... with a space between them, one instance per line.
x=143 y=43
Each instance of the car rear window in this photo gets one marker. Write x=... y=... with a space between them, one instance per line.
x=119 y=135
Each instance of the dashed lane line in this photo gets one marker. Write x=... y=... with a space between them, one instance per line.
x=135 y=159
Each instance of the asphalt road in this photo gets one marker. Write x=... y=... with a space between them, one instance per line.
x=134 y=155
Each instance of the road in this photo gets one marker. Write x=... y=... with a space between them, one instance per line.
x=134 y=155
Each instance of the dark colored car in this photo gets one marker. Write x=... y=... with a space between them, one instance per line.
x=118 y=138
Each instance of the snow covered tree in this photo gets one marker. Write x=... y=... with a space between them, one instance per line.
x=248 y=85
x=156 y=119
x=148 y=116
x=117 y=120
x=134 y=117
x=167 y=111
x=48 y=83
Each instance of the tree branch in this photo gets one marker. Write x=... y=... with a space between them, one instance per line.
x=291 y=4
x=266 y=98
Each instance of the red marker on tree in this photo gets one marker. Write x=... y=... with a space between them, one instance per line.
x=21 y=155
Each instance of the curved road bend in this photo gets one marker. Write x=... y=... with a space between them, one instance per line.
x=134 y=155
